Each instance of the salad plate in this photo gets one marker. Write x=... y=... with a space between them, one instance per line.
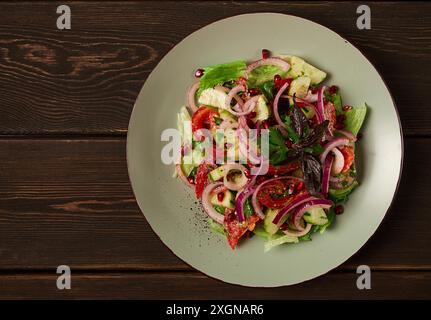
x=329 y=68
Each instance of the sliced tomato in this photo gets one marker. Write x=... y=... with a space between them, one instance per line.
x=201 y=179
x=283 y=169
x=349 y=157
x=235 y=230
x=280 y=193
x=203 y=118
x=330 y=115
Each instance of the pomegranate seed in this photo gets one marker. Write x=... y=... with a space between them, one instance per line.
x=199 y=73
x=300 y=186
x=277 y=79
x=314 y=90
x=220 y=196
x=251 y=115
x=291 y=189
x=288 y=143
x=341 y=118
x=339 y=209
x=333 y=89
x=265 y=53
x=265 y=124
x=191 y=180
x=242 y=81
x=247 y=173
x=347 y=108
x=253 y=91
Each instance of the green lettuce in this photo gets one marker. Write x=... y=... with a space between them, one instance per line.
x=221 y=73
x=263 y=74
x=341 y=195
x=216 y=227
x=354 y=119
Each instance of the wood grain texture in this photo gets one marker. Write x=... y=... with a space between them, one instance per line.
x=85 y=80
x=69 y=202
x=191 y=285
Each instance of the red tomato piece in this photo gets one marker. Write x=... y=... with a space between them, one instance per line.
x=349 y=157
x=203 y=118
x=330 y=115
x=280 y=193
x=283 y=169
x=201 y=179
x=235 y=230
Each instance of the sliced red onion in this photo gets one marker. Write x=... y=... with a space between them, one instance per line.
x=240 y=200
x=182 y=176
x=338 y=164
x=191 y=96
x=320 y=112
x=298 y=201
x=305 y=206
x=307 y=103
x=298 y=233
x=206 y=202
x=235 y=185
x=348 y=134
x=274 y=61
x=283 y=131
x=325 y=175
x=336 y=142
x=311 y=97
x=255 y=202
x=240 y=102
x=275 y=104
x=231 y=94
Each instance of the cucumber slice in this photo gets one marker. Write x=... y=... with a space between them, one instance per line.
x=262 y=110
x=217 y=173
x=213 y=97
x=316 y=216
x=309 y=112
x=226 y=115
x=299 y=86
x=227 y=202
x=270 y=227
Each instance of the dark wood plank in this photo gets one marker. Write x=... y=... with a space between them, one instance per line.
x=189 y=285
x=85 y=80
x=69 y=202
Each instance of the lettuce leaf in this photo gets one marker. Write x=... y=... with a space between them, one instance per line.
x=341 y=195
x=354 y=119
x=263 y=74
x=276 y=240
x=216 y=227
x=221 y=73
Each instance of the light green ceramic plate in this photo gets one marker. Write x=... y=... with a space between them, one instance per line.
x=170 y=207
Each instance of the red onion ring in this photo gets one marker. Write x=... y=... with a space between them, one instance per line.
x=232 y=93
x=305 y=206
x=182 y=176
x=336 y=142
x=208 y=207
x=298 y=233
x=236 y=186
x=240 y=102
x=320 y=106
x=240 y=200
x=274 y=61
x=347 y=134
x=255 y=202
x=338 y=164
x=275 y=104
x=325 y=175
x=191 y=96
x=284 y=211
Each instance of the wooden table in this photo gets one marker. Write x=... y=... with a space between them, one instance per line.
x=65 y=197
